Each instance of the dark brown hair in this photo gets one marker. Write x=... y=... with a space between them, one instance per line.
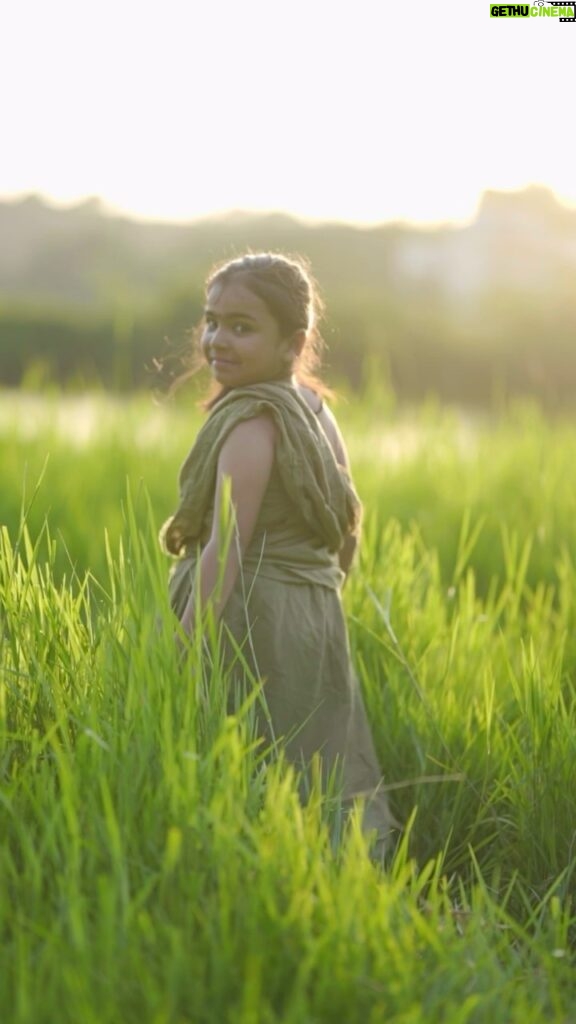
x=286 y=285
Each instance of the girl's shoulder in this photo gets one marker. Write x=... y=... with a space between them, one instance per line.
x=311 y=398
x=329 y=424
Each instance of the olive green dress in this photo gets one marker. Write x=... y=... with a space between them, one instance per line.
x=285 y=612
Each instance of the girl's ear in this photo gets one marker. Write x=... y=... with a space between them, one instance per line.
x=292 y=346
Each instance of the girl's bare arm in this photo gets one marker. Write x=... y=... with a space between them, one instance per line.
x=246 y=458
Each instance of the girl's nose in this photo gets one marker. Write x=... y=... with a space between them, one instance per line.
x=219 y=338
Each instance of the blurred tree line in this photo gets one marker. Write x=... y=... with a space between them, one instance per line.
x=471 y=314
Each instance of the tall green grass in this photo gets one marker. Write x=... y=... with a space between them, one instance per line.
x=155 y=866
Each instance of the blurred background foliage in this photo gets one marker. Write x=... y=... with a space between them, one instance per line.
x=474 y=315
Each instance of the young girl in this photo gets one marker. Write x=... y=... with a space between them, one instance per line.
x=296 y=521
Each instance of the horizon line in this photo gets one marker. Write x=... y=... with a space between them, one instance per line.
x=109 y=209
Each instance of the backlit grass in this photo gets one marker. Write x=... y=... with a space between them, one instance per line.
x=156 y=866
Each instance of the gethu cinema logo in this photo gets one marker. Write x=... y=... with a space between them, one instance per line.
x=539 y=10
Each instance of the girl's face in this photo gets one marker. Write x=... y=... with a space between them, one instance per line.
x=241 y=340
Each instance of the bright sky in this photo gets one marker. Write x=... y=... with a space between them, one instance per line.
x=364 y=110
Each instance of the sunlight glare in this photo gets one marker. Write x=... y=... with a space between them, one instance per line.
x=324 y=112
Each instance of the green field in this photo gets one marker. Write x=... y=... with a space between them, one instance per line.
x=154 y=866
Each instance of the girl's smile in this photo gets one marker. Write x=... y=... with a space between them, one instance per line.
x=241 y=339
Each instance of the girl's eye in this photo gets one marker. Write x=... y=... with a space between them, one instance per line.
x=209 y=324
x=239 y=328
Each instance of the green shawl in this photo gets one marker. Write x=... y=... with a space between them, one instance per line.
x=319 y=487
